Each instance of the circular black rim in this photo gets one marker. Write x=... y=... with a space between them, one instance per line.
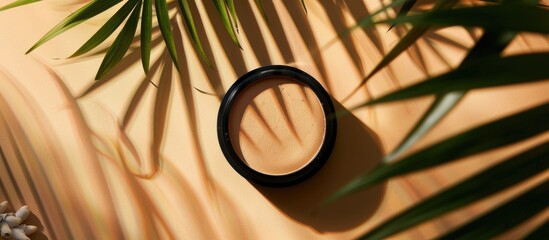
x=223 y=127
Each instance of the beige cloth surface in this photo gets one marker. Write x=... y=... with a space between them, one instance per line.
x=88 y=173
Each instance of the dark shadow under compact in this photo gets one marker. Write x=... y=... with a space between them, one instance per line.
x=276 y=127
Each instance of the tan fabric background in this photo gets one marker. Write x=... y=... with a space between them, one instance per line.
x=86 y=173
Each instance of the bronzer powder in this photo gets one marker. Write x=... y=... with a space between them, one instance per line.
x=275 y=126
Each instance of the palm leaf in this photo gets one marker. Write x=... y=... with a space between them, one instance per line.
x=146 y=34
x=121 y=44
x=107 y=29
x=17 y=4
x=483 y=73
x=504 y=131
x=506 y=216
x=404 y=43
x=406 y=7
x=232 y=11
x=367 y=21
x=223 y=13
x=539 y=233
x=161 y=7
x=86 y=12
x=495 y=179
x=525 y=18
x=259 y=5
x=442 y=105
x=492 y=43
x=191 y=29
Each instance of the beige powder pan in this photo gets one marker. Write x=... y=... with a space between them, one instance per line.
x=275 y=126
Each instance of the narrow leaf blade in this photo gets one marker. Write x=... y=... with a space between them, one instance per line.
x=259 y=4
x=525 y=18
x=507 y=216
x=404 y=43
x=492 y=43
x=540 y=232
x=86 y=12
x=191 y=29
x=232 y=12
x=161 y=7
x=499 y=133
x=483 y=73
x=406 y=7
x=223 y=13
x=17 y=3
x=107 y=29
x=367 y=21
x=146 y=35
x=120 y=45
x=493 y=180
x=442 y=105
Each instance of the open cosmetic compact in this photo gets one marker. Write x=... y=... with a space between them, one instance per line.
x=276 y=126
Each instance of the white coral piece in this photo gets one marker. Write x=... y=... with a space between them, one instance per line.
x=10 y=223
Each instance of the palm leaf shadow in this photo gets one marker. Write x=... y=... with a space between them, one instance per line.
x=258 y=46
x=190 y=108
x=138 y=193
x=23 y=155
x=32 y=156
x=139 y=94
x=161 y=106
x=299 y=18
x=13 y=134
x=338 y=22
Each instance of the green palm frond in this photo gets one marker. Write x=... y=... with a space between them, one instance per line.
x=224 y=14
x=191 y=28
x=146 y=31
x=17 y=4
x=483 y=67
x=525 y=18
x=88 y=11
x=483 y=73
x=521 y=208
x=225 y=8
x=121 y=44
x=404 y=43
x=107 y=29
x=232 y=11
x=504 y=175
x=493 y=135
x=259 y=4
x=404 y=9
x=492 y=43
x=161 y=7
